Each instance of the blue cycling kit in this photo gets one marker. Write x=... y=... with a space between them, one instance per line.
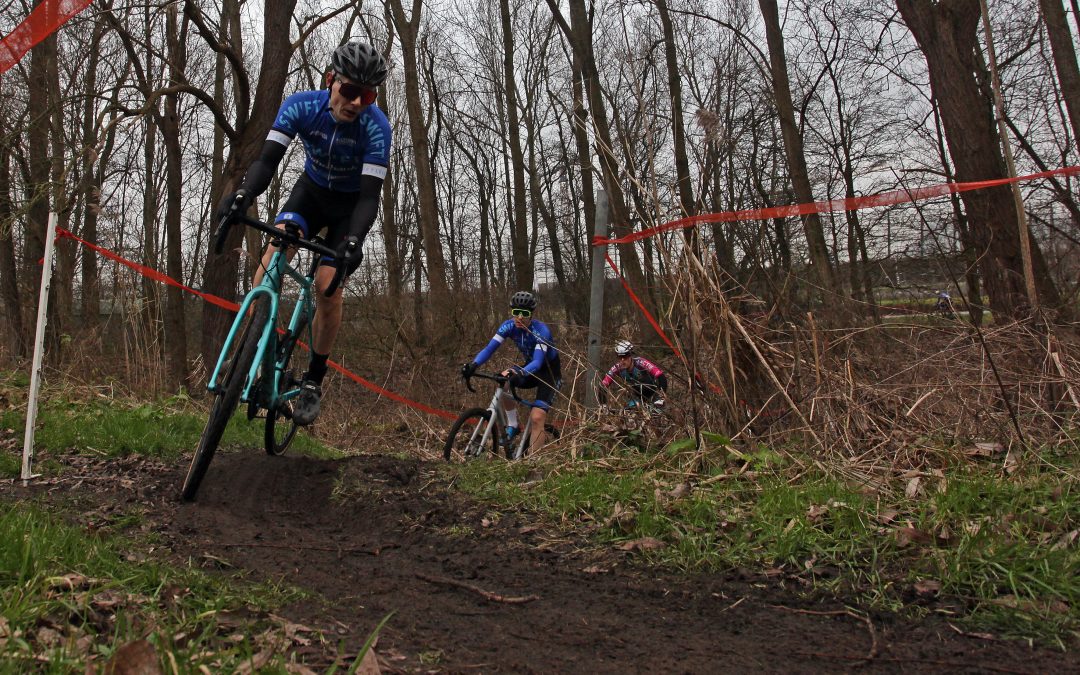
x=338 y=154
x=535 y=344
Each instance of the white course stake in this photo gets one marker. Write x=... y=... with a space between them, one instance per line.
x=39 y=350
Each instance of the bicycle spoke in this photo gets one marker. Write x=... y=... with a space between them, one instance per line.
x=466 y=438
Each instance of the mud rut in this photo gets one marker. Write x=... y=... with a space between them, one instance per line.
x=476 y=591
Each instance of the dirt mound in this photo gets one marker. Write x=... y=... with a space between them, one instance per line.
x=474 y=590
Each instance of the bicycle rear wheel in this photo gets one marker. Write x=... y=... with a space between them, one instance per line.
x=280 y=428
x=236 y=366
x=464 y=440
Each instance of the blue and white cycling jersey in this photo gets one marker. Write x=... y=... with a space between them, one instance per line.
x=338 y=153
x=535 y=344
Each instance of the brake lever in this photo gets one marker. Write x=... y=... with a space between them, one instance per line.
x=468 y=383
x=351 y=244
x=222 y=233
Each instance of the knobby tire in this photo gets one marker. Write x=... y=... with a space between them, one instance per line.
x=458 y=446
x=225 y=401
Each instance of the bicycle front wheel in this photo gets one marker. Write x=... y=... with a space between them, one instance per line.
x=236 y=367
x=466 y=435
x=280 y=428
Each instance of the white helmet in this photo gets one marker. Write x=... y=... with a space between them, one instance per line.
x=624 y=348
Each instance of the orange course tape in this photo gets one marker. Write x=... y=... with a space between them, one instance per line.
x=232 y=306
x=852 y=204
x=46 y=18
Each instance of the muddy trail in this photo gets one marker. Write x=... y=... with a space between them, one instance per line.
x=472 y=590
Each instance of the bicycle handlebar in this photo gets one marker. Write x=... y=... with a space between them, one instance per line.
x=500 y=379
x=284 y=235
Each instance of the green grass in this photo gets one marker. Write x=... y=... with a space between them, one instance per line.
x=68 y=598
x=1002 y=549
x=115 y=592
x=166 y=429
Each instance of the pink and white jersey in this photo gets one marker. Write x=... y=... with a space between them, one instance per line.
x=641 y=370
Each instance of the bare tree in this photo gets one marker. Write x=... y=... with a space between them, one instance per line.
x=947 y=33
x=793 y=144
x=523 y=262
x=247 y=136
x=9 y=279
x=1061 y=42
x=408 y=30
x=578 y=33
x=678 y=128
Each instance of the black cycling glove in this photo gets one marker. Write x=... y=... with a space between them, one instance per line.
x=232 y=203
x=468 y=369
x=350 y=253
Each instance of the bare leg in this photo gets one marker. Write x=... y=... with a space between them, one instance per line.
x=537 y=417
x=328 y=311
x=325 y=329
x=267 y=255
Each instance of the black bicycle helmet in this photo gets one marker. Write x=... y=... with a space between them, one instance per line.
x=523 y=300
x=360 y=62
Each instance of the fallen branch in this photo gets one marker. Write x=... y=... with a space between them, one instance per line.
x=487 y=595
x=950 y=665
x=328 y=549
x=842 y=612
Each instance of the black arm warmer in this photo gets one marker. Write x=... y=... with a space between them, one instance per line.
x=363 y=216
x=662 y=381
x=262 y=169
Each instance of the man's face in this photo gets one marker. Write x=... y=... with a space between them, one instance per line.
x=626 y=361
x=522 y=317
x=344 y=108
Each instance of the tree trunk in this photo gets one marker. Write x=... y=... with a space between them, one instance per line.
x=175 y=323
x=1061 y=43
x=62 y=288
x=971 y=254
x=9 y=273
x=390 y=235
x=217 y=160
x=947 y=34
x=220 y=273
x=579 y=34
x=150 y=291
x=40 y=164
x=682 y=162
x=523 y=262
x=91 y=285
x=793 y=147
x=408 y=30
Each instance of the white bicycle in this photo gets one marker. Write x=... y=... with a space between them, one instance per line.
x=479 y=428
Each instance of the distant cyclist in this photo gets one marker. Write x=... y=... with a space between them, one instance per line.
x=647 y=381
x=541 y=370
x=944 y=303
x=346 y=141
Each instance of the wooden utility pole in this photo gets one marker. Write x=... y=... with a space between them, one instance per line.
x=596 y=299
x=1003 y=132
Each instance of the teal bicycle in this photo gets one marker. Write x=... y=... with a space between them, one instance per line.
x=253 y=366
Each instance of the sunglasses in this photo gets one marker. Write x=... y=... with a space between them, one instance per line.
x=352 y=91
x=523 y=313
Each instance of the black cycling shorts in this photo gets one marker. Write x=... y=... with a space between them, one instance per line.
x=547 y=381
x=319 y=208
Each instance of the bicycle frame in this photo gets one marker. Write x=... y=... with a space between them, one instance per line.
x=498 y=417
x=270 y=285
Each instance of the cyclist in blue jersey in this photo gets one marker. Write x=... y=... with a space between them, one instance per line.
x=346 y=140
x=541 y=370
